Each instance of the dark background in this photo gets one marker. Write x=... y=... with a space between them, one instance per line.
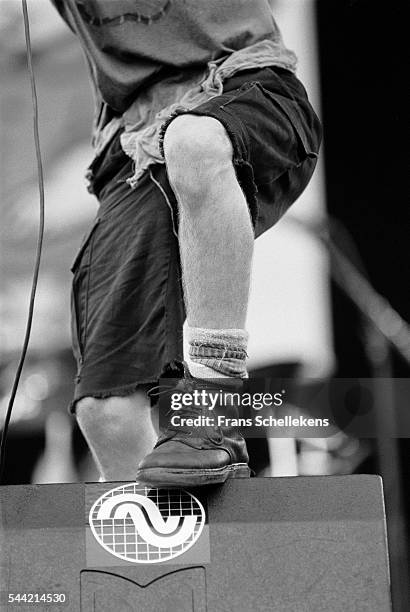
x=363 y=62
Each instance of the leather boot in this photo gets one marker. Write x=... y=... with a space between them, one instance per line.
x=197 y=446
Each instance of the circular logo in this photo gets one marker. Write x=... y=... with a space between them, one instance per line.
x=145 y=525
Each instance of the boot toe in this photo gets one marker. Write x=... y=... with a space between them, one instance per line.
x=176 y=455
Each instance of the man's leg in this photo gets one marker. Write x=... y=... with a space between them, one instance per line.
x=119 y=432
x=215 y=231
x=216 y=244
x=127 y=314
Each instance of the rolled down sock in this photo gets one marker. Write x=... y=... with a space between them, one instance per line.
x=217 y=353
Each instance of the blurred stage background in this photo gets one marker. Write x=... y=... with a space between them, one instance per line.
x=301 y=323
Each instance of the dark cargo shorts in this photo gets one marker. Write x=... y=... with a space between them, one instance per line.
x=127 y=303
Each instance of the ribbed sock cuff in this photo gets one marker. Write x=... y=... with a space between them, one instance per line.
x=221 y=350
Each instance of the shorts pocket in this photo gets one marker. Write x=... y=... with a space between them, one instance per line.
x=84 y=244
x=308 y=139
x=79 y=293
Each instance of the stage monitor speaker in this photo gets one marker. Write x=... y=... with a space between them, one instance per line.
x=303 y=544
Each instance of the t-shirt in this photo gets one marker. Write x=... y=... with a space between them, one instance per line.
x=131 y=44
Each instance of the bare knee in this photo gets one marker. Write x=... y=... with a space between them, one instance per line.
x=197 y=151
x=98 y=414
x=113 y=414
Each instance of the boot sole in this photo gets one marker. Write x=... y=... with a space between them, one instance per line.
x=174 y=477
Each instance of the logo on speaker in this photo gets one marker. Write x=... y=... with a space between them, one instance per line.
x=145 y=525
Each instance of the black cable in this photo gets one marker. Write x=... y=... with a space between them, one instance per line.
x=39 y=240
